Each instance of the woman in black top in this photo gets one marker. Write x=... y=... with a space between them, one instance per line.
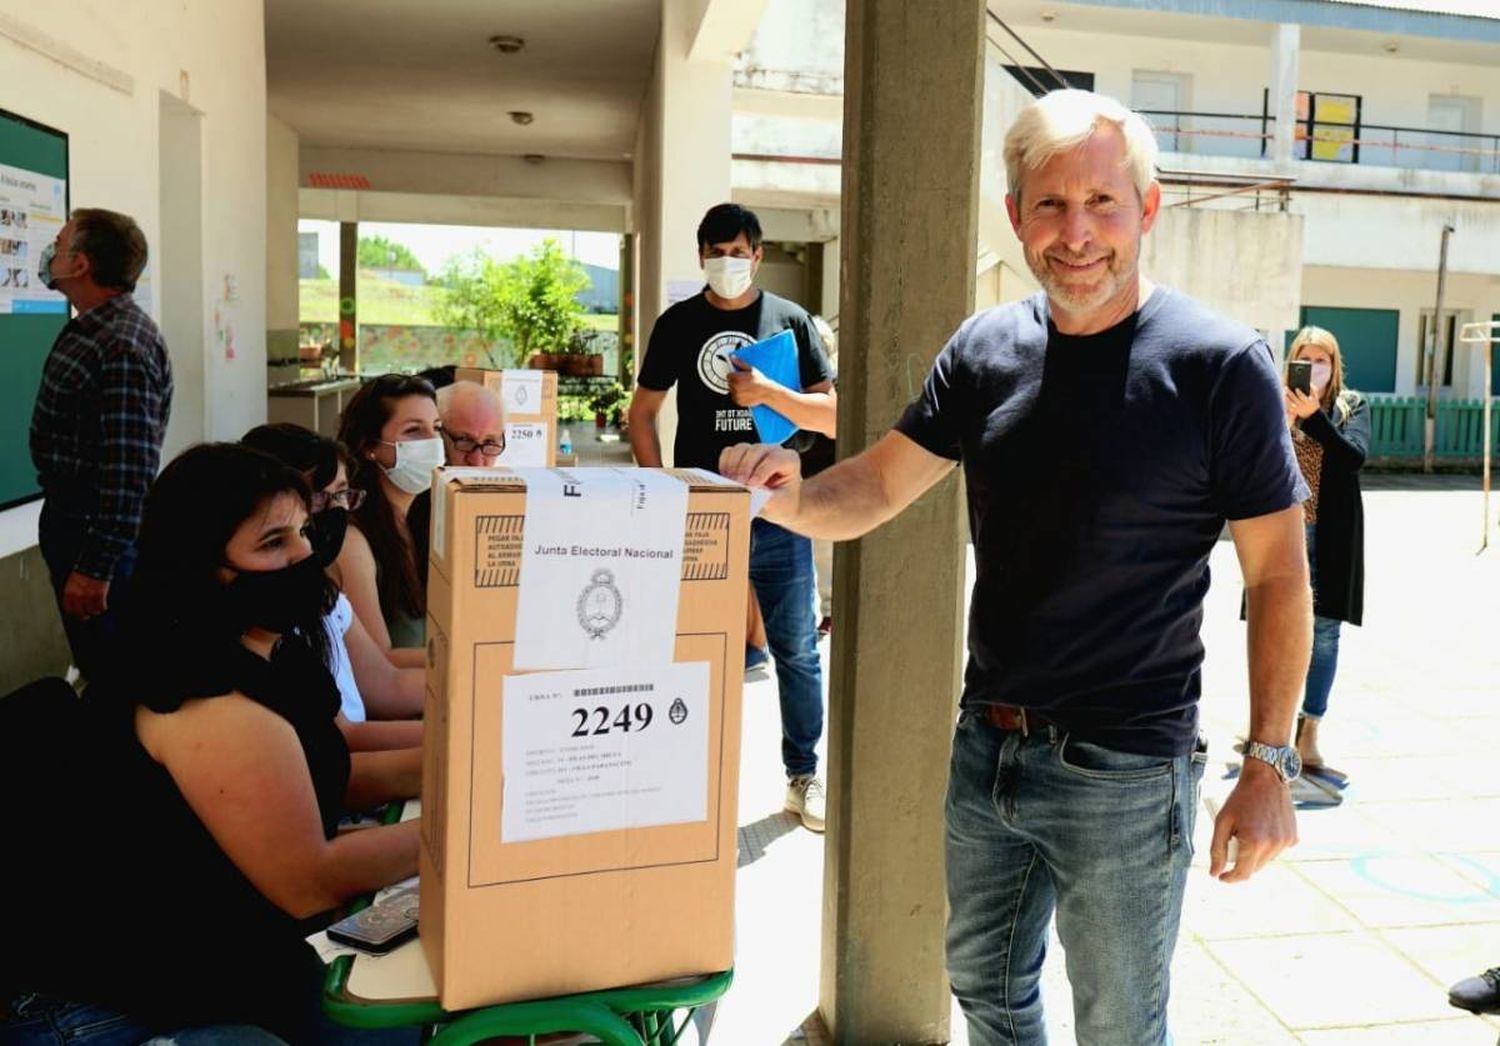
x=214 y=743
x=1331 y=435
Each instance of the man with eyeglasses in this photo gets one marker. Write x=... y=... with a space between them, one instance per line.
x=473 y=423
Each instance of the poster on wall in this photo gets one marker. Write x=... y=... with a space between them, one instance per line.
x=33 y=207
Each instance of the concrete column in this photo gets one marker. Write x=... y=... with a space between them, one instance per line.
x=349 y=297
x=910 y=227
x=683 y=156
x=1286 y=42
x=282 y=288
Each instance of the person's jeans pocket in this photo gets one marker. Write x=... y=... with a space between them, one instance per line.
x=1099 y=763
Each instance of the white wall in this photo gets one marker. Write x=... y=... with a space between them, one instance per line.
x=96 y=69
x=1243 y=264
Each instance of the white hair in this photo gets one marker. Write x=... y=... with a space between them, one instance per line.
x=449 y=395
x=1064 y=120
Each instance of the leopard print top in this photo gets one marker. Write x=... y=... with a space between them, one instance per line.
x=1310 y=460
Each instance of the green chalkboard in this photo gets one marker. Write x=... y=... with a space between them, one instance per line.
x=33 y=206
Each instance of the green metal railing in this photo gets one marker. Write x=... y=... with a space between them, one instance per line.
x=1396 y=428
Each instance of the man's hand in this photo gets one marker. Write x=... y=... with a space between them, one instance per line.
x=762 y=465
x=748 y=387
x=771 y=467
x=1300 y=405
x=85 y=597
x=1258 y=815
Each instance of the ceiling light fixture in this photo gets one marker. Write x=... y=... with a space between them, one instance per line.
x=521 y=117
x=506 y=44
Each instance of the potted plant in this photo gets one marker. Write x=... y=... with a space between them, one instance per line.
x=606 y=404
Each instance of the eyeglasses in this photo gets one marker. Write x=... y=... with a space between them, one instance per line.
x=464 y=445
x=349 y=498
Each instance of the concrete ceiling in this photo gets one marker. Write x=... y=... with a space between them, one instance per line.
x=421 y=75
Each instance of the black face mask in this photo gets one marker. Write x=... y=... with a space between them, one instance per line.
x=326 y=533
x=279 y=600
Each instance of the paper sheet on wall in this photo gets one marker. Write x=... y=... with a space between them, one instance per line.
x=601 y=562
x=525 y=444
x=521 y=391
x=604 y=749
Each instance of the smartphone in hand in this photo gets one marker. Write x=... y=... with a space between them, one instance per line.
x=1299 y=376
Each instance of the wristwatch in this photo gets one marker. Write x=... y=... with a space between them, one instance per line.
x=1283 y=758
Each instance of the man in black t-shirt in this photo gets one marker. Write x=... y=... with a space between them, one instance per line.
x=1107 y=428
x=692 y=347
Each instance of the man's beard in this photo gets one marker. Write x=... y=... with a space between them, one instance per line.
x=1077 y=298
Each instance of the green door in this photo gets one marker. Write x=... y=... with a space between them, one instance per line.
x=1367 y=338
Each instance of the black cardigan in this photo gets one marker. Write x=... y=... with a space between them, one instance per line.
x=1341 y=514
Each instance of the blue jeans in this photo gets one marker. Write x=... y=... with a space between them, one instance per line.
x=1325 y=647
x=34 y=1019
x=42 y=1020
x=1049 y=823
x=781 y=573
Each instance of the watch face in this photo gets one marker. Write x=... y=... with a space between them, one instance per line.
x=1291 y=763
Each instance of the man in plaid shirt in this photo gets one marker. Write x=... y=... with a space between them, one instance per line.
x=100 y=416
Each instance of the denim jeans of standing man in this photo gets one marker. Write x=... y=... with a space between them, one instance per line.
x=781 y=572
x=1048 y=824
x=60 y=535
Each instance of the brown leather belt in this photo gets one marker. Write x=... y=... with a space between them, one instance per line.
x=1020 y=720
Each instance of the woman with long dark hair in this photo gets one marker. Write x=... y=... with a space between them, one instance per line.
x=213 y=736
x=391 y=428
x=370 y=686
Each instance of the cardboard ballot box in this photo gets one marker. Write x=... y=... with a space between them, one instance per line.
x=530 y=398
x=579 y=824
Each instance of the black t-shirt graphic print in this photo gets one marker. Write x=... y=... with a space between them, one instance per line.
x=690 y=347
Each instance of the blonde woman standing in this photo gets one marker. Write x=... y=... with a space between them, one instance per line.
x=1330 y=435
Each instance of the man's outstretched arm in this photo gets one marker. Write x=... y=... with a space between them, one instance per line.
x=843 y=502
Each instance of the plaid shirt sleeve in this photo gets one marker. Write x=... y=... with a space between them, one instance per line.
x=132 y=409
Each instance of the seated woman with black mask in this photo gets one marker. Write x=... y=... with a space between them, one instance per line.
x=213 y=740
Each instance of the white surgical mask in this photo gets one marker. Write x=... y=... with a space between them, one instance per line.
x=415 y=460
x=728 y=277
x=1322 y=374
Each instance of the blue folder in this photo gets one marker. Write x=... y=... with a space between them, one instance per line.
x=776 y=358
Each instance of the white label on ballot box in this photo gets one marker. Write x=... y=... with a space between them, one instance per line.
x=604 y=749
x=601 y=563
x=525 y=444
x=521 y=391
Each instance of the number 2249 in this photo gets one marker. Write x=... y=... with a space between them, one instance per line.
x=627 y=719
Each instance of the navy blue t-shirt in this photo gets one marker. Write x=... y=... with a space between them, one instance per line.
x=1100 y=471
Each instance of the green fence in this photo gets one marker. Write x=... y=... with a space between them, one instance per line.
x=1396 y=427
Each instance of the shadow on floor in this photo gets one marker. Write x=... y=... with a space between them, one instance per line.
x=756 y=837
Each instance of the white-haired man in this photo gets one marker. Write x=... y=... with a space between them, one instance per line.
x=1107 y=428
x=473 y=419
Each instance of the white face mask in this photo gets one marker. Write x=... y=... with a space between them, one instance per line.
x=1322 y=374
x=728 y=277
x=415 y=460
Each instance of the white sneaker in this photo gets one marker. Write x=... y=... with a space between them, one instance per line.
x=805 y=798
